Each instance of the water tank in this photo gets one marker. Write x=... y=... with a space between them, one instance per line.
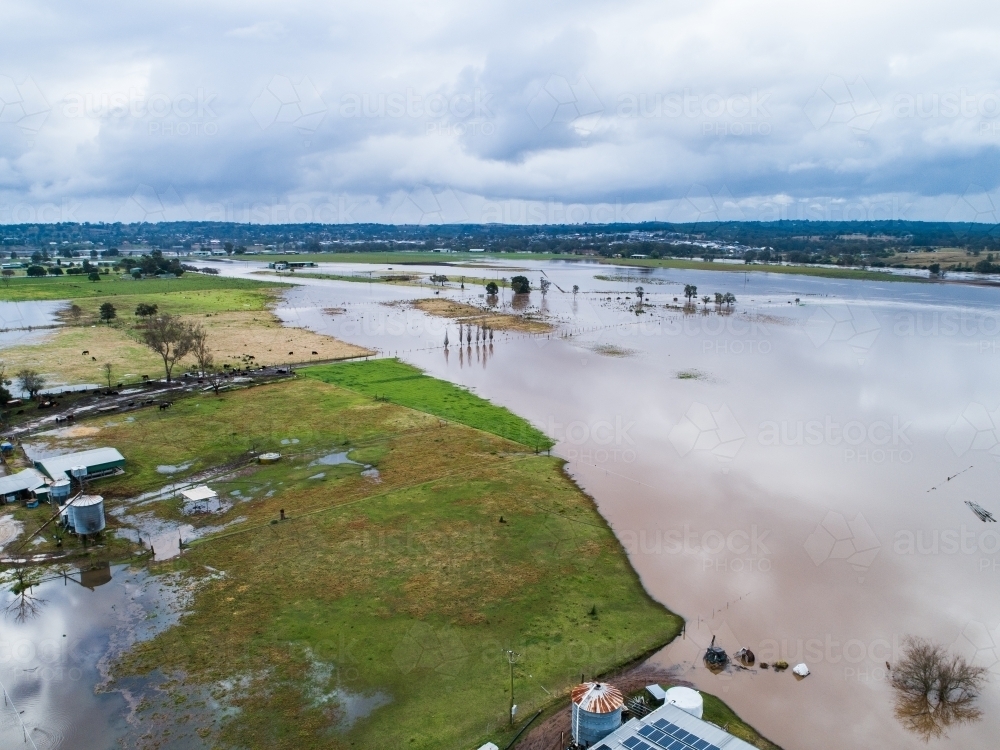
x=597 y=712
x=59 y=491
x=87 y=514
x=686 y=699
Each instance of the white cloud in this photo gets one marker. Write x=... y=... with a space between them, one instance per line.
x=259 y=30
x=771 y=110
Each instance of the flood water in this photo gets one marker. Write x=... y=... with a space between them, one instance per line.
x=54 y=658
x=778 y=475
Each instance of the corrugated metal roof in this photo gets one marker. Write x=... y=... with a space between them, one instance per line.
x=58 y=467
x=598 y=697
x=28 y=479
x=668 y=727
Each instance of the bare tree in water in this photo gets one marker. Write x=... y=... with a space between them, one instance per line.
x=935 y=688
x=25 y=605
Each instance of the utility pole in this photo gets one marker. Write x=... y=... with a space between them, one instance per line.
x=512 y=658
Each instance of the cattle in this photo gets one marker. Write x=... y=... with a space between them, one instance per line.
x=85 y=351
x=165 y=405
x=315 y=353
x=94 y=358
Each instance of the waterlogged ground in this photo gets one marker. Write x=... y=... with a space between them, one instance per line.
x=790 y=475
x=58 y=644
x=779 y=473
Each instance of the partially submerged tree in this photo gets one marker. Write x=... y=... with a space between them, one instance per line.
x=170 y=337
x=690 y=291
x=935 y=688
x=492 y=288
x=520 y=285
x=30 y=381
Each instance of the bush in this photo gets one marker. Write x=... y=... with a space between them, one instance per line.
x=492 y=288
x=94 y=276
x=520 y=285
x=36 y=271
x=55 y=271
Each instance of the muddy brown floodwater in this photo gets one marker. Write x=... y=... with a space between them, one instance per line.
x=791 y=476
x=779 y=474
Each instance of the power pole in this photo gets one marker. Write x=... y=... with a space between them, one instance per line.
x=512 y=658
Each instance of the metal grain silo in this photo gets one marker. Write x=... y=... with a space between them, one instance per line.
x=59 y=491
x=597 y=712
x=87 y=514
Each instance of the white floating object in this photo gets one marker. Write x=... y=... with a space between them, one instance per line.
x=801 y=670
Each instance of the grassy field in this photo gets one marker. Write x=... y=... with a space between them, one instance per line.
x=404 y=384
x=23 y=288
x=698 y=265
x=409 y=258
x=237 y=320
x=722 y=715
x=499 y=321
x=402 y=589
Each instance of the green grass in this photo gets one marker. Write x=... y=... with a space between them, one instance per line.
x=409 y=588
x=420 y=257
x=23 y=288
x=722 y=715
x=403 y=384
x=699 y=265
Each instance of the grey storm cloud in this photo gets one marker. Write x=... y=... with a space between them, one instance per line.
x=513 y=111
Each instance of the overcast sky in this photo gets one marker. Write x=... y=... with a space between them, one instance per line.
x=499 y=111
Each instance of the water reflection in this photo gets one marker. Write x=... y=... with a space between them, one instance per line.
x=24 y=605
x=935 y=689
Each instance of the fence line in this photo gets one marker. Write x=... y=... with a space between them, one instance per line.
x=7 y=699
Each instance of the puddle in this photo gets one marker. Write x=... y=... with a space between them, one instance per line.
x=318 y=476
x=287 y=441
x=166 y=537
x=373 y=474
x=350 y=706
x=168 y=469
x=59 y=676
x=334 y=459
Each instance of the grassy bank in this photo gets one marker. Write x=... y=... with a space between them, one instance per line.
x=401 y=589
x=395 y=381
x=24 y=288
x=237 y=319
x=470 y=314
x=699 y=265
x=717 y=712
